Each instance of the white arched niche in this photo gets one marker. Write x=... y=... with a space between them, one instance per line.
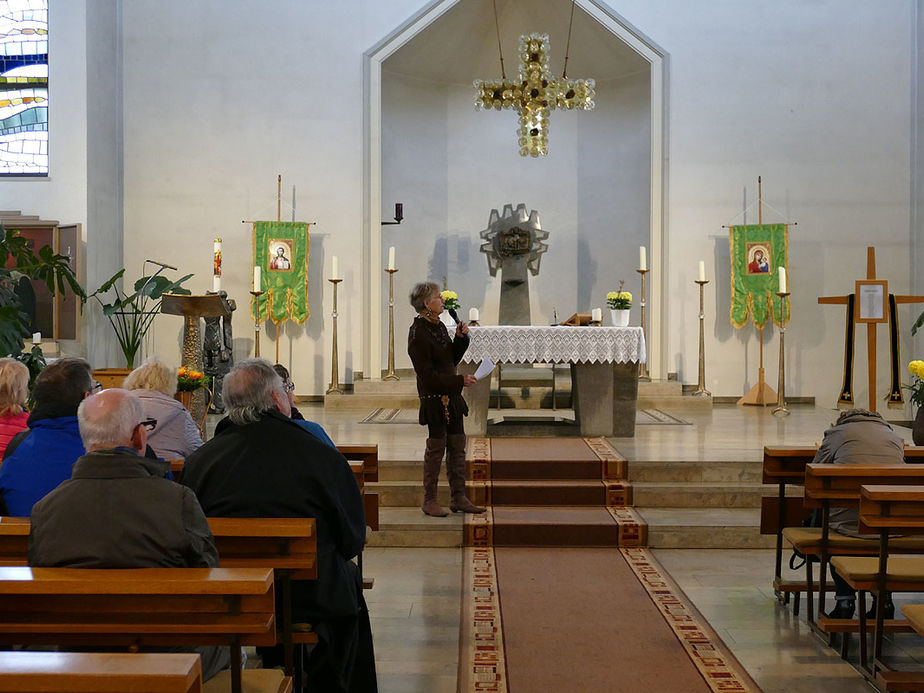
x=456 y=164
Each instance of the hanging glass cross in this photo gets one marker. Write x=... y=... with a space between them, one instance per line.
x=535 y=94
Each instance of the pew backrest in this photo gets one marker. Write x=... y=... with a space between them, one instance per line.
x=288 y=544
x=898 y=509
x=839 y=484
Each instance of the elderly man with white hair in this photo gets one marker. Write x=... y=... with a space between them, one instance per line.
x=261 y=463
x=117 y=510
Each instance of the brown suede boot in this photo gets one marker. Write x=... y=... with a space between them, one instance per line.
x=433 y=460
x=455 y=470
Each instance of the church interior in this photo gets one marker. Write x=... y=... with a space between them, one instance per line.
x=751 y=174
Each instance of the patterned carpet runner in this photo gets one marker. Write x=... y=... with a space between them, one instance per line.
x=557 y=571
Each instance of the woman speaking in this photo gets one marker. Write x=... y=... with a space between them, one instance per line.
x=442 y=407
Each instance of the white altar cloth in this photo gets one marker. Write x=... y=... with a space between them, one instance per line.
x=558 y=344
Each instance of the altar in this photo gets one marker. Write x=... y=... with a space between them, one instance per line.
x=604 y=370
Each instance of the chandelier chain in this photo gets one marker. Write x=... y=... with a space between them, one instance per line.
x=499 y=49
x=564 y=72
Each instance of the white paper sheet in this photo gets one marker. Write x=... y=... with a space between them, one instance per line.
x=485 y=369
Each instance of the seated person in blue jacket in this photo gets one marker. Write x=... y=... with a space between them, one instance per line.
x=310 y=426
x=41 y=457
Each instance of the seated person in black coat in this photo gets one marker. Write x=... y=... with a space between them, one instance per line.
x=262 y=464
x=118 y=511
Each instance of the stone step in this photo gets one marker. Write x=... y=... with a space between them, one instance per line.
x=409 y=527
x=697 y=528
x=719 y=472
x=700 y=495
x=660 y=388
x=405 y=493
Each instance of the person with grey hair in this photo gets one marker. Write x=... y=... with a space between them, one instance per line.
x=858 y=437
x=118 y=511
x=176 y=435
x=442 y=408
x=261 y=463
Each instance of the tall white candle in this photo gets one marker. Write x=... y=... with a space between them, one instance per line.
x=702 y=270
x=334 y=268
x=391 y=258
x=472 y=314
x=36 y=337
x=257 y=283
x=642 y=258
x=216 y=283
x=782 y=280
x=596 y=315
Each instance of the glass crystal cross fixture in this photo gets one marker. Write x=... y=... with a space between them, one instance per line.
x=535 y=94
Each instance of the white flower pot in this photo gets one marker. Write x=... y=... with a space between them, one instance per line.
x=620 y=318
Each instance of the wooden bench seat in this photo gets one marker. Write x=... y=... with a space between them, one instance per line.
x=139 y=608
x=885 y=509
x=90 y=672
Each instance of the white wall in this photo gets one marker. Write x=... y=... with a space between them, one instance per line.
x=816 y=99
x=451 y=165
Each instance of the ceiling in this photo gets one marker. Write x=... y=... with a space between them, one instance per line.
x=461 y=46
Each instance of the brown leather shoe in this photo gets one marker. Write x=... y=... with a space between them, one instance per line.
x=461 y=504
x=433 y=509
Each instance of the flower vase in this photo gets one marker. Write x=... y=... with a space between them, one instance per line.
x=619 y=317
x=184 y=398
x=917 y=428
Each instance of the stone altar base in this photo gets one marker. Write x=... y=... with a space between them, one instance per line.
x=603 y=396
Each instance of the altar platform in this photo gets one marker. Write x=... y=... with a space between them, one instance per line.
x=697 y=485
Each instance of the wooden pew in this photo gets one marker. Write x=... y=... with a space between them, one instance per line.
x=289 y=547
x=838 y=486
x=785 y=466
x=886 y=509
x=137 y=608
x=91 y=672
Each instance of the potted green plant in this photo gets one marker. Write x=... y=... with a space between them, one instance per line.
x=17 y=260
x=131 y=314
x=619 y=302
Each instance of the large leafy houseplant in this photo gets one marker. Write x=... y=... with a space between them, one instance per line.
x=18 y=260
x=131 y=314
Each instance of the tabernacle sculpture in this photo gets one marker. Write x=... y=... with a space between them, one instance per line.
x=514 y=245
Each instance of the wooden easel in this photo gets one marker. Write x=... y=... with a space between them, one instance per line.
x=871 y=323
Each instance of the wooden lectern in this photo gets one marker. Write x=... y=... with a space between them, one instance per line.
x=192 y=308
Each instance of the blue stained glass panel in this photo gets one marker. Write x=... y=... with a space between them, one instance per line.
x=23 y=87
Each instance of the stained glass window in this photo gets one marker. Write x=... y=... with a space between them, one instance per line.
x=24 y=87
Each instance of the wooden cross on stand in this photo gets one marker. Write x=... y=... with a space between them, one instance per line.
x=535 y=94
x=871 y=306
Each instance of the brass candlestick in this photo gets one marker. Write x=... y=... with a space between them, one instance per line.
x=701 y=390
x=781 y=409
x=391 y=375
x=643 y=368
x=256 y=324
x=334 y=365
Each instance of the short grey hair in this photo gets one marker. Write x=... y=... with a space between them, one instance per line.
x=421 y=292
x=109 y=418
x=247 y=391
x=153 y=374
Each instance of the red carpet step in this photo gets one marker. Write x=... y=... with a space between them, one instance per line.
x=551 y=492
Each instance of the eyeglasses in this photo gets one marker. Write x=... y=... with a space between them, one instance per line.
x=149 y=424
x=97 y=385
x=289 y=386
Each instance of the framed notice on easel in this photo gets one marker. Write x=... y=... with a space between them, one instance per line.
x=870 y=306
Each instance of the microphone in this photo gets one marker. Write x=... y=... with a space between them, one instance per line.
x=162 y=264
x=453 y=314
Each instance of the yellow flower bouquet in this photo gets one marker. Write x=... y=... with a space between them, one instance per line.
x=619 y=299
x=917 y=386
x=450 y=300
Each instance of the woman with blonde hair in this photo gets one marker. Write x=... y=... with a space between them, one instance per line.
x=176 y=435
x=14 y=390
